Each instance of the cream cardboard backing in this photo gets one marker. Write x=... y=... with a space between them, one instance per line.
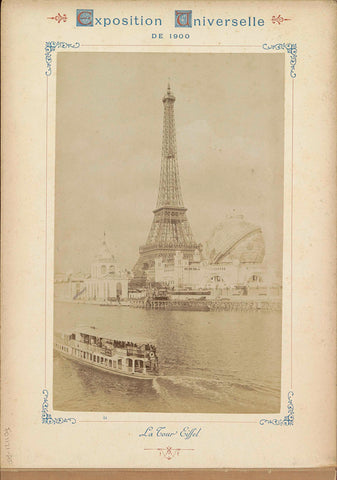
x=308 y=344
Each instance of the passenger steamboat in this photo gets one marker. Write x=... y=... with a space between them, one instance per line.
x=99 y=350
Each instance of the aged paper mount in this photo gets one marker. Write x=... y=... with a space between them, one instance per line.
x=302 y=432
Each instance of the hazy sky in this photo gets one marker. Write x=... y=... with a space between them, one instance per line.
x=229 y=121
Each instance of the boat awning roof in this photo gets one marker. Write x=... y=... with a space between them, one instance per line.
x=108 y=334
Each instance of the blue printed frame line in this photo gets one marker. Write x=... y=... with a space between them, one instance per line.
x=50 y=47
x=291 y=48
x=287 y=420
x=46 y=416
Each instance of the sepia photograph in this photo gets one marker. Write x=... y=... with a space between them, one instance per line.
x=168 y=232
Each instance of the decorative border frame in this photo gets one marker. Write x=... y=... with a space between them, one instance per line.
x=291 y=49
x=287 y=420
x=50 y=47
x=46 y=416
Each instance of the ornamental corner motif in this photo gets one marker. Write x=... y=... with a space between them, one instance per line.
x=287 y=420
x=46 y=416
x=169 y=452
x=50 y=47
x=291 y=48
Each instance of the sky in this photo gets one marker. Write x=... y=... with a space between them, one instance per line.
x=229 y=115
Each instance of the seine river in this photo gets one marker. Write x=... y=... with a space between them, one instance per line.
x=210 y=362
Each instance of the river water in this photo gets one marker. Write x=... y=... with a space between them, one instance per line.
x=210 y=362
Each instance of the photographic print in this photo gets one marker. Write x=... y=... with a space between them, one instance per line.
x=168 y=232
x=168 y=249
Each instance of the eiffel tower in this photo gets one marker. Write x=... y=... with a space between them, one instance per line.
x=170 y=230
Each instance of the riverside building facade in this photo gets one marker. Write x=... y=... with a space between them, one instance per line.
x=233 y=256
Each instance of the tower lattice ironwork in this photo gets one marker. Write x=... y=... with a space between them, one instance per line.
x=170 y=230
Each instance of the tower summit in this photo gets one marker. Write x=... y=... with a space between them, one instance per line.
x=169 y=193
x=170 y=230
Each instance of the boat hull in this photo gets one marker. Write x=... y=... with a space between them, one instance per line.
x=112 y=371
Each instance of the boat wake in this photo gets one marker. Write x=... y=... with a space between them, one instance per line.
x=182 y=389
x=171 y=388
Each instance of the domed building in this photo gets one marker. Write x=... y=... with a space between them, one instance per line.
x=235 y=240
x=235 y=252
x=107 y=281
x=104 y=262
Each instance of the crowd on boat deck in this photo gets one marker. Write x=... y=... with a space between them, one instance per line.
x=122 y=344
